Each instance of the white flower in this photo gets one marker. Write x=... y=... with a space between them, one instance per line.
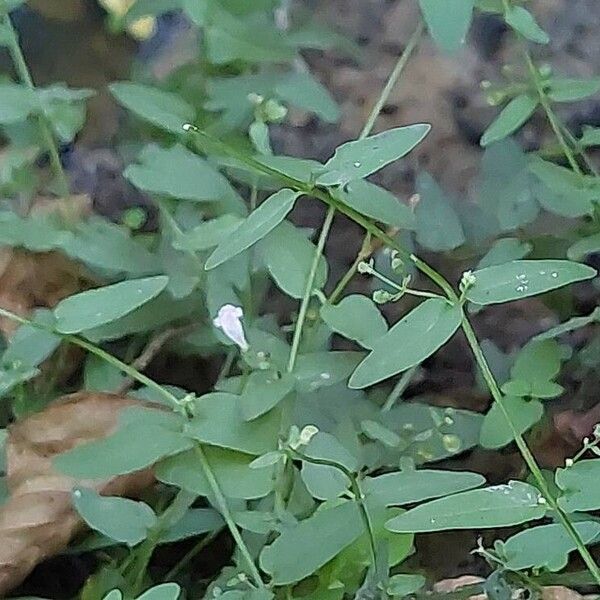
x=229 y=320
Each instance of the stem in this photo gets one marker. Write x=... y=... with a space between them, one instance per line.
x=399 y=388
x=309 y=288
x=392 y=80
x=173 y=400
x=190 y=554
x=24 y=75
x=224 y=510
x=365 y=252
x=356 y=490
x=526 y=452
x=552 y=118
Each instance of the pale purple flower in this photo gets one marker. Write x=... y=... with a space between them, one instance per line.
x=229 y=321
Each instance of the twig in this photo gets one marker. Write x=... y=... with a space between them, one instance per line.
x=154 y=346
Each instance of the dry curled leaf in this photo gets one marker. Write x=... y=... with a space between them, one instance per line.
x=38 y=520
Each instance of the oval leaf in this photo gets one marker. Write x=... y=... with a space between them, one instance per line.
x=580 y=484
x=514 y=114
x=448 y=21
x=106 y=304
x=295 y=554
x=496 y=506
x=408 y=487
x=230 y=468
x=121 y=519
x=163 y=109
x=521 y=20
x=409 y=342
x=496 y=431
x=523 y=278
x=263 y=391
x=376 y=202
x=358 y=159
x=263 y=220
x=357 y=318
x=546 y=546
x=218 y=421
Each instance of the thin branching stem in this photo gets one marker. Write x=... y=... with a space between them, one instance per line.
x=175 y=404
x=44 y=126
x=323 y=195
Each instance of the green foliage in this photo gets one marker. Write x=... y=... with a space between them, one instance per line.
x=314 y=473
x=498 y=506
x=429 y=326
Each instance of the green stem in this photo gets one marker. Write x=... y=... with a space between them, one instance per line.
x=173 y=400
x=224 y=510
x=552 y=118
x=190 y=554
x=399 y=388
x=365 y=252
x=308 y=289
x=392 y=80
x=22 y=70
x=526 y=452
x=356 y=491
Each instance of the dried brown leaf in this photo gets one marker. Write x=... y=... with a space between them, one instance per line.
x=38 y=519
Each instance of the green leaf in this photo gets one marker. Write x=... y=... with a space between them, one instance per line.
x=178 y=173
x=96 y=307
x=537 y=361
x=360 y=158
x=522 y=21
x=31 y=346
x=376 y=202
x=378 y=433
x=208 y=234
x=303 y=91
x=437 y=224
x=448 y=21
x=229 y=39
x=491 y=507
x=101 y=376
x=512 y=117
x=120 y=519
x=164 y=591
x=580 y=484
x=590 y=136
x=163 y=109
x=256 y=226
x=429 y=326
x=326 y=482
x=564 y=89
x=218 y=421
x=546 y=546
x=323 y=369
x=104 y=245
x=588 y=245
x=408 y=487
x=523 y=278
x=562 y=191
x=405 y=584
x=505 y=250
x=505 y=189
x=195 y=521
x=263 y=391
x=496 y=431
x=568 y=326
x=357 y=318
x=17 y=102
x=231 y=469
x=143 y=437
x=294 y=555
x=288 y=255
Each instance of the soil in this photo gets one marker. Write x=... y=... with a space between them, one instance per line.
x=73 y=45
